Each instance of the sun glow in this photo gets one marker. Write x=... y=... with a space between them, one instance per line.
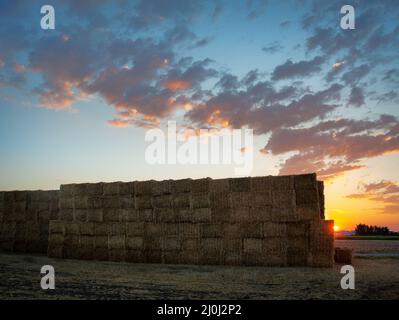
x=336 y=228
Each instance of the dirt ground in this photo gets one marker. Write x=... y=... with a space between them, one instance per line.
x=376 y=278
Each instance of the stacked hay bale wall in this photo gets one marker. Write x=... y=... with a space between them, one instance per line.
x=24 y=220
x=268 y=221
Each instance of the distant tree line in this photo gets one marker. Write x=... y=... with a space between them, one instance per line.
x=366 y=230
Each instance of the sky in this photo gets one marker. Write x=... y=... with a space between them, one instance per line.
x=76 y=102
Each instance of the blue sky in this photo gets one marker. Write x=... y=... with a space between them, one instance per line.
x=75 y=102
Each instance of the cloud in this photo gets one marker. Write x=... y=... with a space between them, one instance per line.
x=356 y=97
x=384 y=192
x=272 y=47
x=334 y=146
x=297 y=69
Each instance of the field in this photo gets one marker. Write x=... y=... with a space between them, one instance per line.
x=376 y=268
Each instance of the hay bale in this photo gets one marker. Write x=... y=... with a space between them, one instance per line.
x=66 y=214
x=189 y=230
x=224 y=214
x=189 y=257
x=144 y=202
x=95 y=215
x=211 y=230
x=171 y=256
x=183 y=215
x=282 y=183
x=111 y=189
x=8 y=230
x=116 y=242
x=202 y=215
x=260 y=214
x=86 y=228
x=111 y=215
x=100 y=254
x=117 y=228
x=117 y=255
x=232 y=245
x=200 y=185
x=240 y=214
x=143 y=188
x=7 y=245
x=343 y=255
x=127 y=202
x=111 y=202
x=221 y=200
x=153 y=256
x=135 y=229
x=274 y=229
x=162 y=201
x=134 y=243
x=153 y=243
x=94 y=189
x=321 y=259
x=241 y=199
x=20 y=196
x=297 y=251
x=55 y=251
x=71 y=241
x=261 y=199
x=19 y=246
x=72 y=228
x=43 y=216
x=200 y=200
x=240 y=184
x=100 y=229
x=170 y=229
x=33 y=231
x=161 y=187
x=181 y=200
x=320 y=189
x=274 y=252
x=95 y=202
x=152 y=229
x=181 y=186
x=231 y=231
x=284 y=213
x=132 y=215
x=171 y=243
x=251 y=230
x=305 y=181
x=66 y=203
x=191 y=244
x=55 y=226
x=80 y=202
x=164 y=215
x=219 y=186
x=307 y=203
x=101 y=242
x=298 y=229
x=80 y=215
x=252 y=245
x=127 y=188
x=135 y=256
x=79 y=189
x=147 y=215
x=261 y=184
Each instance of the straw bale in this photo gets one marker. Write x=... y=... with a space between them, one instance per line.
x=181 y=200
x=170 y=229
x=231 y=230
x=95 y=202
x=152 y=229
x=240 y=214
x=80 y=215
x=55 y=226
x=221 y=200
x=117 y=255
x=305 y=181
x=101 y=242
x=111 y=215
x=153 y=243
x=86 y=228
x=72 y=228
x=153 y=256
x=261 y=184
x=127 y=202
x=144 y=202
x=55 y=251
x=190 y=257
x=284 y=213
x=189 y=229
x=135 y=256
x=184 y=215
x=94 y=189
x=241 y=199
x=134 y=243
x=201 y=200
x=117 y=228
x=116 y=242
x=162 y=201
x=202 y=215
x=282 y=183
x=200 y=185
x=171 y=243
x=135 y=229
x=144 y=187
x=66 y=214
x=212 y=230
x=100 y=254
x=164 y=215
x=95 y=215
x=127 y=188
x=147 y=215
x=80 y=202
x=220 y=186
x=161 y=187
x=101 y=229
x=111 y=189
x=240 y=184
x=191 y=244
x=170 y=256
x=181 y=186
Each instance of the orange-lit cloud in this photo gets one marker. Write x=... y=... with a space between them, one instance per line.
x=177 y=85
